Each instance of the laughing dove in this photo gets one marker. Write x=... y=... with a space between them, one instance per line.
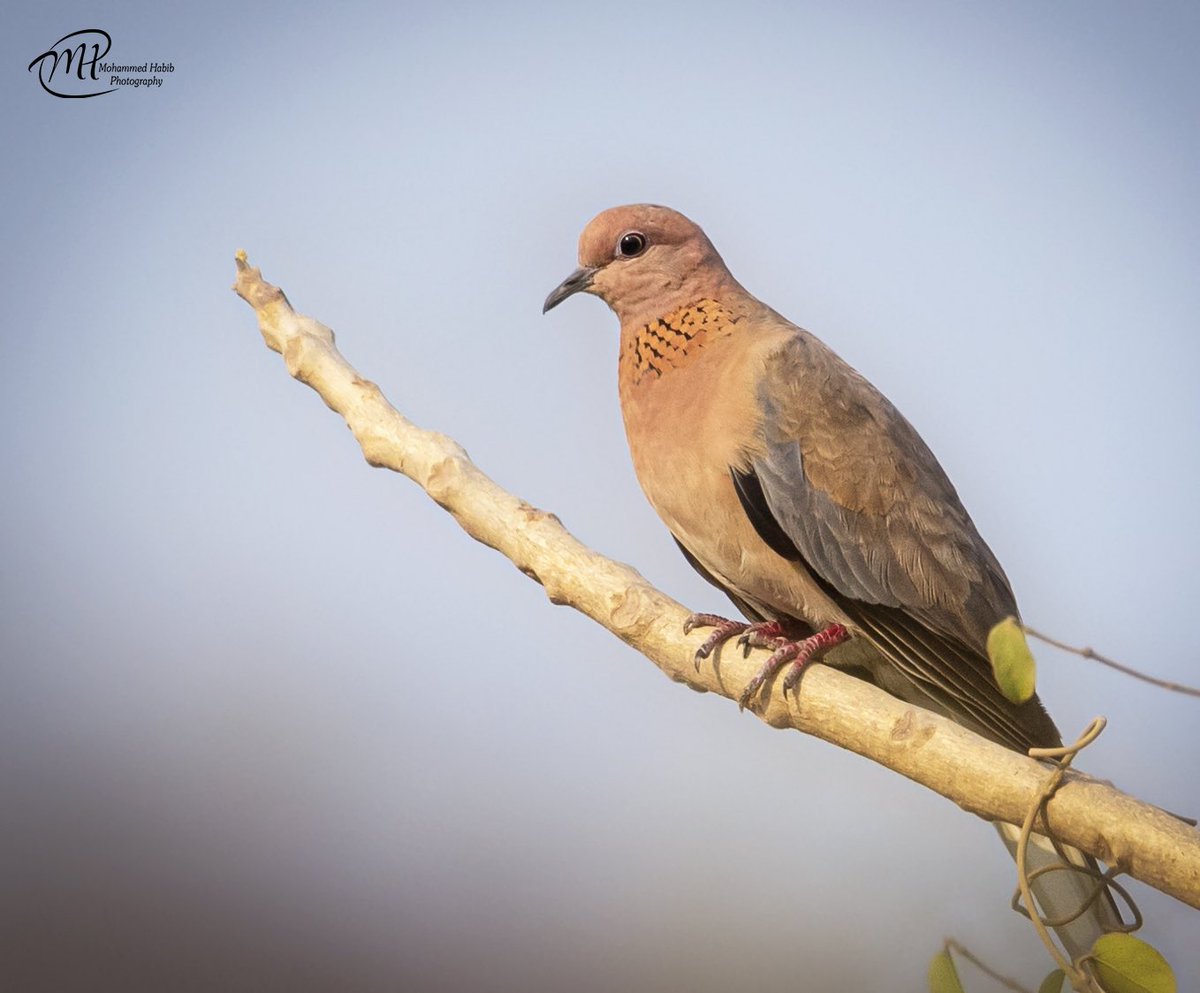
x=793 y=485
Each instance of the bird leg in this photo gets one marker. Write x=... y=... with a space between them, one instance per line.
x=798 y=653
x=763 y=634
x=771 y=635
x=766 y=634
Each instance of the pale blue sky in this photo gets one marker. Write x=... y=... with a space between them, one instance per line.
x=270 y=720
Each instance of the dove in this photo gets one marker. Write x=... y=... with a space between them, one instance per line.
x=793 y=485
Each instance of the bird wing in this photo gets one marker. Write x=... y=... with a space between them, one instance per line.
x=843 y=483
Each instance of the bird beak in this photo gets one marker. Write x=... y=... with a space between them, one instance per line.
x=580 y=279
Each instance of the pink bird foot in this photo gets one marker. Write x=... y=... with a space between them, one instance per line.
x=763 y=634
x=723 y=630
x=798 y=653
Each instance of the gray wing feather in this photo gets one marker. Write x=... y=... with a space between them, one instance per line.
x=878 y=523
x=865 y=500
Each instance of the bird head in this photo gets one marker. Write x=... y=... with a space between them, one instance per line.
x=643 y=260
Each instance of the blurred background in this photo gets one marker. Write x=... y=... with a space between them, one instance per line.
x=269 y=720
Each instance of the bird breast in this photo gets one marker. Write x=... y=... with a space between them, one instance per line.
x=689 y=399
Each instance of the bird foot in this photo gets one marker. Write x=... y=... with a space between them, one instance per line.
x=723 y=630
x=798 y=653
x=768 y=634
x=761 y=635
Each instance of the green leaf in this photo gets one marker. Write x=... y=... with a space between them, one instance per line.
x=1053 y=983
x=1012 y=661
x=943 y=977
x=1125 y=964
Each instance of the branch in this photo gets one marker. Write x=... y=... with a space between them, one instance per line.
x=1095 y=656
x=959 y=949
x=981 y=777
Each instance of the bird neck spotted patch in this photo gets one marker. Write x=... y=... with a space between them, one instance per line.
x=654 y=349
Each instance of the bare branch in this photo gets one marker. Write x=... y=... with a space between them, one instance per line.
x=981 y=777
x=1095 y=656
x=960 y=949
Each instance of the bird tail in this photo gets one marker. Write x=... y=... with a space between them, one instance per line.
x=1060 y=894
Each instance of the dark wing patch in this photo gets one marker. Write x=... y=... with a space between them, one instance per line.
x=754 y=503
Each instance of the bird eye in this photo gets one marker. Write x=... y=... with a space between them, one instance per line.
x=631 y=244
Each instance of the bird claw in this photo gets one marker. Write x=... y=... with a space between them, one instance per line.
x=789 y=651
x=723 y=630
x=700 y=621
x=749 y=691
x=799 y=654
x=764 y=634
x=792 y=678
x=768 y=634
